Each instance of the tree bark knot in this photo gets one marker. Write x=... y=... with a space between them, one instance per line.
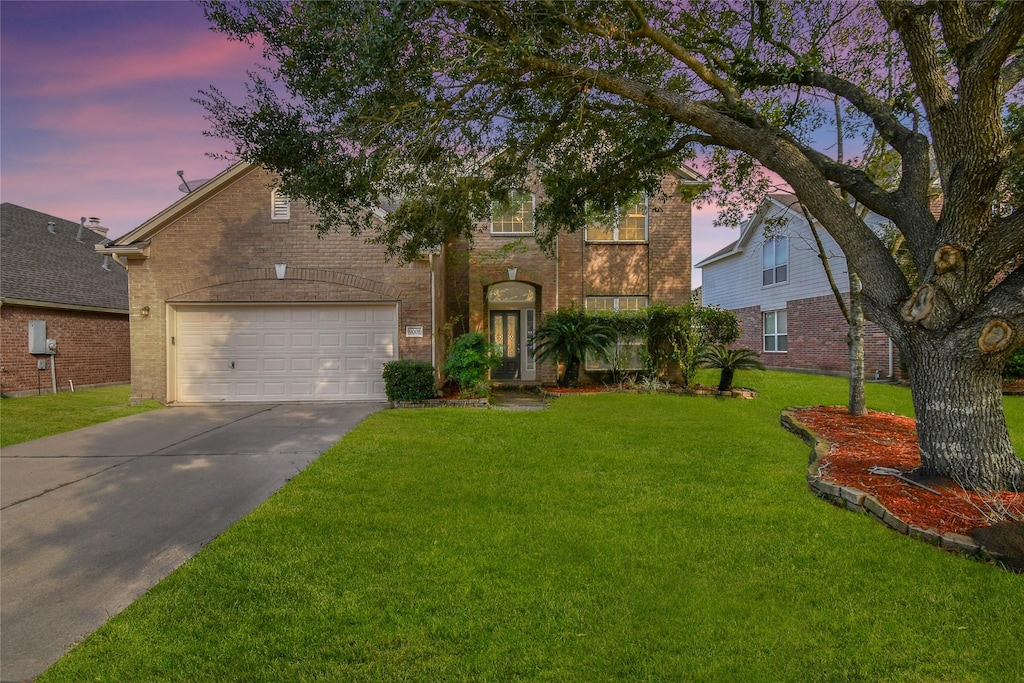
x=996 y=336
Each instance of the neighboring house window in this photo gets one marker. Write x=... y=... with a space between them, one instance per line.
x=515 y=217
x=775 y=261
x=628 y=224
x=616 y=303
x=775 y=336
x=280 y=206
x=626 y=354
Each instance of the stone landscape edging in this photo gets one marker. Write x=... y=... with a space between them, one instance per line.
x=856 y=500
x=442 y=403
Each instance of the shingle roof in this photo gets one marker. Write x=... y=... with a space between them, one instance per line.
x=38 y=266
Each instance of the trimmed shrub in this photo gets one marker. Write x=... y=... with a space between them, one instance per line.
x=1014 y=368
x=469 y=359
x=409 y=380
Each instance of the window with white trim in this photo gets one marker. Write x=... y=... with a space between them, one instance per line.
x=280 y=206
x=626 y=224
x=615 y=303
x=774 y=261
x=626 y=354
x=514 y=217
x=624 y=357
x=775 y=334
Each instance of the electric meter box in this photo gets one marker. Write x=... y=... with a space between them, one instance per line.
x=37 y=337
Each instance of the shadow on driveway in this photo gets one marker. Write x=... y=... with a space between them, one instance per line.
x=92 y=519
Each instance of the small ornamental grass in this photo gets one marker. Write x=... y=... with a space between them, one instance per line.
x=607 y=538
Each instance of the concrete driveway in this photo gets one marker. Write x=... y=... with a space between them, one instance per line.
x=92 y=519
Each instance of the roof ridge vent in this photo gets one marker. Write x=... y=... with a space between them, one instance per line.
x=51 y=227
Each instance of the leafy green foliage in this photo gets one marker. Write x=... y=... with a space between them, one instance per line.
x=469 y=359
x=409 y=380
x=676 y=336
x=729 y=361
x=1014 y=368
x=567 y=336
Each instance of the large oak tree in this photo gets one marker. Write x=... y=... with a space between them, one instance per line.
x=447 y=105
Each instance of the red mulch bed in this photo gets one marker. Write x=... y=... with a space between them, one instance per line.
x=857 y=443
x=573 y=390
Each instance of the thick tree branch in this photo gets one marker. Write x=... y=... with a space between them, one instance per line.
x=868 y=255
x=990 y=53
x=677 y=51
x=1004 y=299
x=912 y=23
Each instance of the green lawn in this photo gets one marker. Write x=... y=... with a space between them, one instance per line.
x=608 y=538
x=33 y=417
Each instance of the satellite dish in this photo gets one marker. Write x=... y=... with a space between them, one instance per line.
x=190 y=185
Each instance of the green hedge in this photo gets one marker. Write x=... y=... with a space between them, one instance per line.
x=409 y=380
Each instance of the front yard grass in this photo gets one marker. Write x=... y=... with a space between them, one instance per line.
x=609 y=537
x=33 y=417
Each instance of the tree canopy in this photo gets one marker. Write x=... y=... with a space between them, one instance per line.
x=448 y=105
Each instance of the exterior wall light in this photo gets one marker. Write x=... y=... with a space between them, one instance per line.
x=144 y=311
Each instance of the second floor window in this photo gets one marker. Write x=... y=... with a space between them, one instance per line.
x=627 y=224
x=514 y=217
x=775 y=261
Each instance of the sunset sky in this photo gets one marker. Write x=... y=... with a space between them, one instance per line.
x=96 y=111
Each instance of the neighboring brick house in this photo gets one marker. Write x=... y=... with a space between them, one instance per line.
x=53 y=285
x=777 y=286
x=244 y=302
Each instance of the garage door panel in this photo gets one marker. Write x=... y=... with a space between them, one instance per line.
x=330 y=352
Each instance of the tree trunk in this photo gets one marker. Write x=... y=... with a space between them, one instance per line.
x=725 y=381
x=855 y=339
x=961 y=425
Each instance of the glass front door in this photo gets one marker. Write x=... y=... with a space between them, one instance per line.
x=505 y=333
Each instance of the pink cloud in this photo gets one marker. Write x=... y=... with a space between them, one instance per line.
x=81 y=71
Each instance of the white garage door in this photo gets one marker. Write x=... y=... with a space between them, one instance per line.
x=283 y=353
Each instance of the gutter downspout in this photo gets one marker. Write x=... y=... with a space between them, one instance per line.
x=433 y=323
x=889 y=339
x=558 y=265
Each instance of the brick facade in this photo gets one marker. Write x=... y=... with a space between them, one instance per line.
x=225 y=250
x=816 y=335
x=221 y=246
x=92 y=349
x=658 y=269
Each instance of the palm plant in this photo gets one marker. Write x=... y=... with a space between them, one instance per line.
x=729 y=361
x=568 y=335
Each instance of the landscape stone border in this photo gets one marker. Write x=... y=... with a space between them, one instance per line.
x=856 y=500
x=442 y=403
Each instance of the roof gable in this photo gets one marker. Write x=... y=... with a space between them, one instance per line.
x=59 y=267
x=786 y=202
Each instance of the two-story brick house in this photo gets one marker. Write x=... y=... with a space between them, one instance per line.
x=773 y=279
x=234 y=298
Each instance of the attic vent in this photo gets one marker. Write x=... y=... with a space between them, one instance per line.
x=51 y=227
x=280 y=206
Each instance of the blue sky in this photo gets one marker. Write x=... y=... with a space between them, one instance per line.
x=96 y=116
